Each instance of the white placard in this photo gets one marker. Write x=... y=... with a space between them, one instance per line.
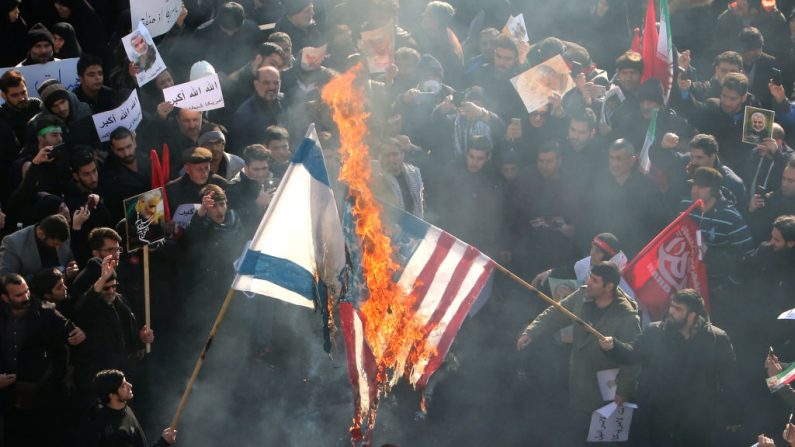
x=159 y=16
x=200 y=94
x=611 y=423
x=127 y=115
x=142 y=52
x=183 y=215
x=312 y=58
x=537 y=84
x=378 y=46
x=607 y=383
x=516 y=28
x=787 y=315
x=65 y=71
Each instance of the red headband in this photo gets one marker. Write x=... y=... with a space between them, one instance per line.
x=604 y=247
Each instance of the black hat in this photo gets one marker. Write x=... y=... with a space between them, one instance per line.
x=293 y=7
x=706 y=176
x=480 y=142
x=8 y=5
x=39 y=33
x=52 y=93
x=630 y=60
x=197 y=155
x=750 y=39
x=651 y=90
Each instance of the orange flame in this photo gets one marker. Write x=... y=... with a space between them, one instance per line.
x=392 y=331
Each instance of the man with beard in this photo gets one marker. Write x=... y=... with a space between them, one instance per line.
x=264 y=108
x=765 y=208
x=697 y=359
x=186 y=189
x=495 y=78
x=40 y=46
x=30 y=368
x=605 y=307
x=127 y=172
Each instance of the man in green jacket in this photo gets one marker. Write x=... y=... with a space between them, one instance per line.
x=607 y=308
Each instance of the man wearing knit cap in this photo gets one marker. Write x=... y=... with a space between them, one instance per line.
x=299 y=23
x=186 y=189
x=223 y=163
x=40 y=46
x=56 y=100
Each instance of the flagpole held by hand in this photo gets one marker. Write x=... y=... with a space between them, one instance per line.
x=554 y=303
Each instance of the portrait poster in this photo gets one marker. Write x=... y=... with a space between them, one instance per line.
x=378 y=46
x=312 y=58
x=516 y=28
x=536 y=85
x=757 y=124
x=143 y=54
x=145 y=219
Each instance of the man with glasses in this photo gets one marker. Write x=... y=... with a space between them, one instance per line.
x=115 y=338
x=102 y=242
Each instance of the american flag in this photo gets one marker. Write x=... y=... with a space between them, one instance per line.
x=446 y=275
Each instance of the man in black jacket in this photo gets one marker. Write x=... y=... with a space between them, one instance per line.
x=696 y=360
x=32 y=364
x=113 y=421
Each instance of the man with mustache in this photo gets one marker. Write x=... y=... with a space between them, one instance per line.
x=264 y=108
x=126 y=172
x=688 y=371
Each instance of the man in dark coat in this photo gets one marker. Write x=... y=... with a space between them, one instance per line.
x=186 y=189
x=264 y=108
x=765 y=208
x=299 y=23
x=693 y=356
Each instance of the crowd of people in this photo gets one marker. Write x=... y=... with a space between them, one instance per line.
x=556 y=193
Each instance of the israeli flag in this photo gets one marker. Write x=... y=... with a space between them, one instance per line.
x=298 y=250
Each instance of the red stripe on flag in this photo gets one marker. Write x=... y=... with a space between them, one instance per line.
x=461 y=271
x=455 y=324
x=425 y=278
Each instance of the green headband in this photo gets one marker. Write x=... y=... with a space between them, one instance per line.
x=50 y=129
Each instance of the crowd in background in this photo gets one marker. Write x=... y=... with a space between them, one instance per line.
x=450 y=141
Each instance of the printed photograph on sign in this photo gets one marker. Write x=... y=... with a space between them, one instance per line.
x=757 y=125
x=537 y=84
x=378 y=46
x=145 y=219
x=142 y=52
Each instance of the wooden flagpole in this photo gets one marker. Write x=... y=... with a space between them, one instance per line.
x=147 y=296
x=557 y=305
x=200 y=362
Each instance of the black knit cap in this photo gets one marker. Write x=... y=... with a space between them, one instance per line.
x=8 y=5
x=39 y=33
x=293 y=7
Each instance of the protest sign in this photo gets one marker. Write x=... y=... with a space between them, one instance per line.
x=65 y=71
x=127 y=115
x=201 y=94
x=159 y=16
x=516 y=28
x=144 y=219
x=141 y=51
x=787 y=315
x=537 y=84
x=757 y=125
x=607 y=383
x=378 y=46
x=183 y=215
x=312 y=58
x=611 y=423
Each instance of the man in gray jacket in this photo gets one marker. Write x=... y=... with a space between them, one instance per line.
x=33 y=248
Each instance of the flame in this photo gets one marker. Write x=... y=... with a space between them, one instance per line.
x=392 y=330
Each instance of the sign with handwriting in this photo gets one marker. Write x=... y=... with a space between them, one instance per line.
x=200 y=94
x=65 y=71
x=159 y=16
x=127 y=115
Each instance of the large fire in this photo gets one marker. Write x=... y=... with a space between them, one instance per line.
x=393 y=332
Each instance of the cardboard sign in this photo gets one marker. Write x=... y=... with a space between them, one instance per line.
x=145 y=218
x=127 y=115
x=378 y=46
x=201 y=94
x=158 y=16
x=142 y=52
x=537 y=84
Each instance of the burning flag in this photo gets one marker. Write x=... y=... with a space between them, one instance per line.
x=410 y=285
x=670 y=262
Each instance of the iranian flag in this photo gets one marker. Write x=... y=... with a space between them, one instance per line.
x=645 y=161
x=658 y=52
x=670 y=262
x=783 y=378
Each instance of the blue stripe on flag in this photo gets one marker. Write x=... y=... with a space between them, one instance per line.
x=311 y=157
x=282 y=272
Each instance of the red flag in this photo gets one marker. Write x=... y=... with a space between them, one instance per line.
x=159 y=177
x=635 y=41
x=650 y=38
x=669 y=262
